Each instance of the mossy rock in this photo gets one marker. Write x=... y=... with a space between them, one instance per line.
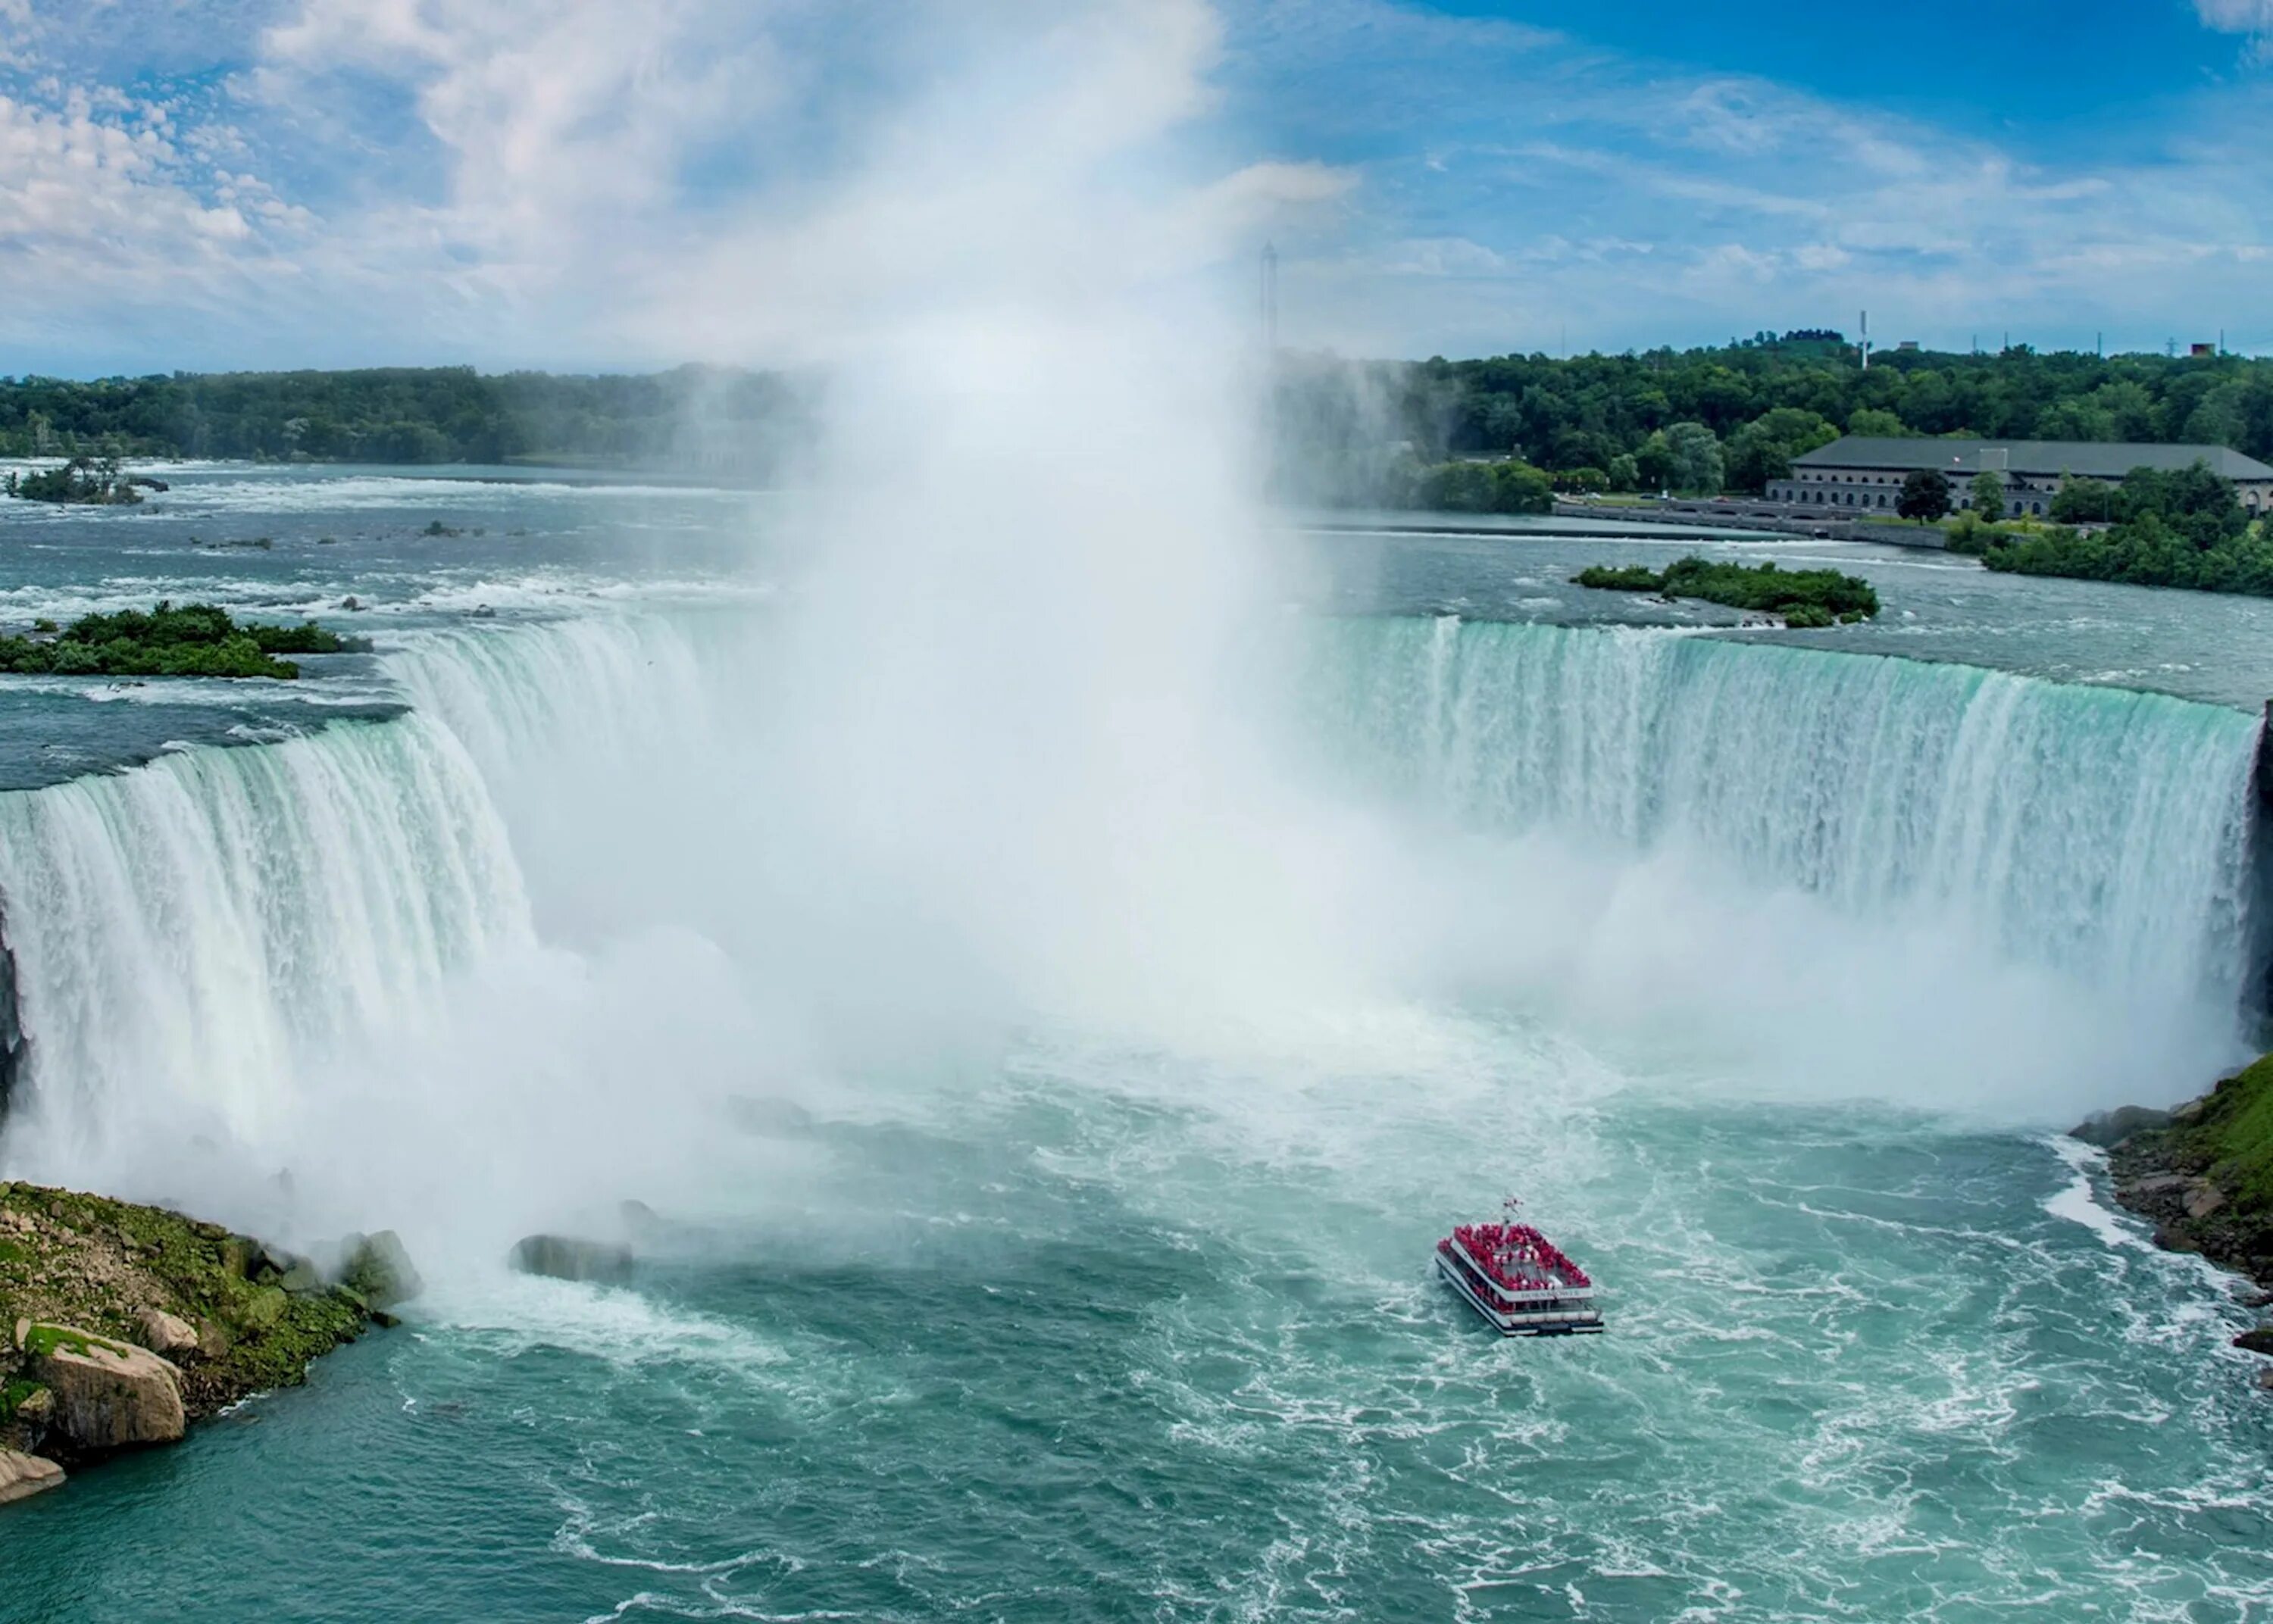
x=96 y=1264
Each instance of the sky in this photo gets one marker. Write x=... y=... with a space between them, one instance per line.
x=624 y=183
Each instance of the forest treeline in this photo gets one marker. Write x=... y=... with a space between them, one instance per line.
x=706 y=417
x=1705 y=422
x=1699 y=421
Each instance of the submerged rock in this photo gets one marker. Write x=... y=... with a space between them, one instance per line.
x=23 y=1476
x=565 y=1257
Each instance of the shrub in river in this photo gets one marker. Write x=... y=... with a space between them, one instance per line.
x=83 y=480
x=1803 y=597
x=196 y=640
x=1634 y=578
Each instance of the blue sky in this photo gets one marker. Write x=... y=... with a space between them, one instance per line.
x=583 y=183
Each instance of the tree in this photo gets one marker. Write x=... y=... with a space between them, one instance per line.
x=2083 y=501
x=1693 y=459
x=1989 y=494
x=1876 y=425
x=1925 y=495
x=1762 y=450
x=1625 y=473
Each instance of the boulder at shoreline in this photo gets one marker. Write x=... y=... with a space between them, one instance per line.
x=2202 y=1174
x=130 y=1323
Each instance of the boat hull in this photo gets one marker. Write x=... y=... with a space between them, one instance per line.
x=1538 y=1323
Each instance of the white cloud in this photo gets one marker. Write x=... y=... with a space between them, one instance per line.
x=97 y=204
x=2236 y=16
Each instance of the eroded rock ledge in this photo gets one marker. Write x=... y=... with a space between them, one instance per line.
x=123 y=1324
x=2202 y=1174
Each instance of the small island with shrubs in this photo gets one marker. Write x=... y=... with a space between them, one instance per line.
x=91 y=481
x=196 y=640
x=1806 y=599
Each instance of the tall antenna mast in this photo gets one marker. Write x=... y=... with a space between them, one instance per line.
x=1270 y=297
x=1866 y=341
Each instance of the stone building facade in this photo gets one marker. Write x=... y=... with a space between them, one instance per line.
x=1860 y=472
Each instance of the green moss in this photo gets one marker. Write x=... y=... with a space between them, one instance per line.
x=46 y=1339
x=2232 y=1135
x=257 y=1337
x=12 y=1397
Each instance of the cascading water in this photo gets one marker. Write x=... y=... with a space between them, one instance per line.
x=2099 y=831
x=189 y=936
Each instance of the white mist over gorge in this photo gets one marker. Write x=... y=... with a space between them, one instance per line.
x=1028 y=942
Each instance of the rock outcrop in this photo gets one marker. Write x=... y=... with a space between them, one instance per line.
x=2202 y=1174
x=23 y=1476
x=107 y=1394
x=565 y=1257
x=378 y=1270
x=168 y=1336
x=130 y=1322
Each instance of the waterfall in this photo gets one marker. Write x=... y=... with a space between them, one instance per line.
x=191 y=936
x=2101 y=832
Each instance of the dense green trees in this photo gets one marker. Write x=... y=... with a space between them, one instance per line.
x=1988 y=491
x=1803 y=597
x=2083 y=501
x=2178 y=528
x=1473 y=487
x=197 y=639
x=1341 y=427
x=1926 y=495
x=696 y=415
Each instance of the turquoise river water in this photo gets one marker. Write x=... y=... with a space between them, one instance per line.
x=1767 y=967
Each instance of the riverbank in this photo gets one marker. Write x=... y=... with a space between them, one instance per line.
x=2202 y=1173
x=124 y=1323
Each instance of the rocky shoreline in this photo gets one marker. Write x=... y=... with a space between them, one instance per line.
x=2202 y=1173
x=124 y=1323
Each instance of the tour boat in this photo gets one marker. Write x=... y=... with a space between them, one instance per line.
x=1517 y=1279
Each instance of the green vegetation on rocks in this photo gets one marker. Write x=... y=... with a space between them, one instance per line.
x=105 y=1280
x=1805 y=598
x=196 y=640
x=2202 y=1173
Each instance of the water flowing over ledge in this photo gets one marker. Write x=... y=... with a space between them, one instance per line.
x=2101 y=832
x=190 y=936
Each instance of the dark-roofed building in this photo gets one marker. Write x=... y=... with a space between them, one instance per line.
x=1859 y=471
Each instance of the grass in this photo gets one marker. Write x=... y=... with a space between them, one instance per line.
x=2232 y=1135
